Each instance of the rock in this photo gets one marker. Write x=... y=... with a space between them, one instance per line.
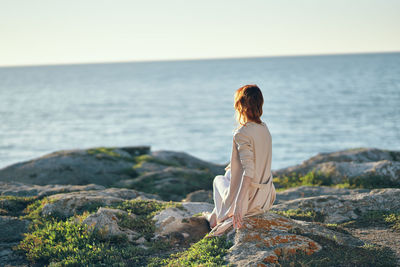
x=105 y=221
x=310 y=191
x=172 y=183
x=180 y=225
x=140 y=240
x=65 y=205
x=366 y=163
x=200 y=196
x=103 y=166
x=187 y=160
x=146 y=167
x=268 y=236
x=10 y=258
x=12 y=228
x=341 y=208
x=26 y=190
x=169 y=173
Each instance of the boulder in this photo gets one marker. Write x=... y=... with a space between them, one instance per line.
x=311 y=191
x=172 y=183
x=267 y=237
x=180 y=225
x=169 y=173
x=177 y=158
x=106 y=220
x=66 y=205
x=366 y=163
x=27 y=190
x=103 y=166
x=341 y=208
x=12 y=228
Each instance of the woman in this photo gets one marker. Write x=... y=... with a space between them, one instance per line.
x=246 y=189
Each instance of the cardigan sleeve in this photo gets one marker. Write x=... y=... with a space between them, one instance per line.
x=246 y=153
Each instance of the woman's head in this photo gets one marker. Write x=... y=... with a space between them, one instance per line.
x=248 y=104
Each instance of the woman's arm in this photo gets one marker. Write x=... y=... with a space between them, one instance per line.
x=246 y=155
x=242 y=194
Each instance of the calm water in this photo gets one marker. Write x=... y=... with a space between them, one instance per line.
x=312 y=104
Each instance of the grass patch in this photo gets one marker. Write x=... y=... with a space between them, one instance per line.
x=13 y=205
x=376 y=218
x=67 y=243
x=369 y=181
x=313 y=178
x=206 y=252
x=298 y=214
x=53 y=241
x=318 y=178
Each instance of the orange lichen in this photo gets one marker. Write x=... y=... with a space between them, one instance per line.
x=259 y=223
x=271 y=259
x=261 y=265
x=312 y=245
x=278 y=251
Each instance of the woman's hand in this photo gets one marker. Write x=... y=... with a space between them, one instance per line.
x=237 y=217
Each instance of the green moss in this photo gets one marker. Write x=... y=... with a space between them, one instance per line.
x=13 y=205
x=298 y=214
x=148 y=158
x=334 y=254
x=371 y=181
x=318 y=178
x=206 y=252
x=107 y=153
x=312 y=178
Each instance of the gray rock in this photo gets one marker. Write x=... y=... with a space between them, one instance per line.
x=26 y=190
x=341 y=208
x=65 y=205
x=352 y=163
x=12 y=228
x=187 y=160
x=172 y=183
x=200 y=196
x=105 y=221
x=311 y=191
x=268 y=236
x=10 y=258
x=179 y=225
x=79 y=167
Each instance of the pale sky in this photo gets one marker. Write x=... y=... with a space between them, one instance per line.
x=58 y=32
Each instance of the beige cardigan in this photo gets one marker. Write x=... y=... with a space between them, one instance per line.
x=251 y=156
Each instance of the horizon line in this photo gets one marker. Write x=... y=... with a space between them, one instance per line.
x=196 y=59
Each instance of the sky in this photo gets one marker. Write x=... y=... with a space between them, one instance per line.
x=44 y=32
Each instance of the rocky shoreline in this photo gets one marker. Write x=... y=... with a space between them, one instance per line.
x=131 y=206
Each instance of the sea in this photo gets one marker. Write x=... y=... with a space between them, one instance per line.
x=312 y=104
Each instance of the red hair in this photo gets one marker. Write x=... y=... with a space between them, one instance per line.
x=248 y=104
